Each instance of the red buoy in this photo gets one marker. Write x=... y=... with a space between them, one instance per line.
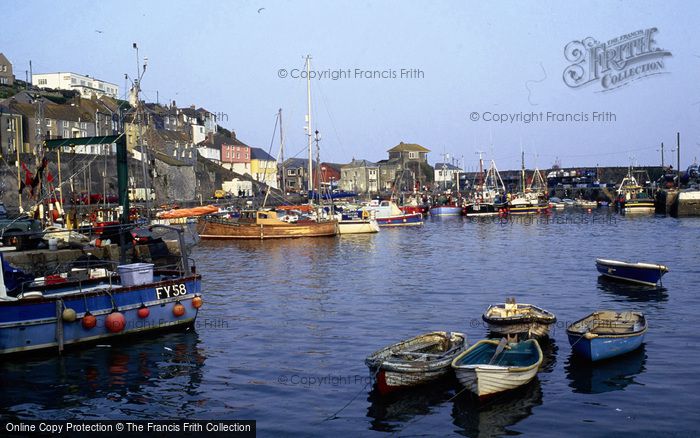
x=89 y=321
x=115 y=322
x=178 y=309
x=143 y=311
x=197 y=302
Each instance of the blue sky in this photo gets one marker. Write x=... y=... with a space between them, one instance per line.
x=495 y=57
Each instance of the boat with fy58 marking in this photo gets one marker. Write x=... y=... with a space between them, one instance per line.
x=91 y=305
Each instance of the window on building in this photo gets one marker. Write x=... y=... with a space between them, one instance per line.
x=66 y=134
x=413 y=155
x=73 y=81
x=238 y=155
x=291 y=172
x=83 y=125
x=42 y=81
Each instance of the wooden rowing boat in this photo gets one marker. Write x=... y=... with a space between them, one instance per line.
x=415 y=361
x=648 y=274
x=606 y=333
x=518 y=318
x=490 y=367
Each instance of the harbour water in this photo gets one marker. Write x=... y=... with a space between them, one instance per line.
x=286 y=325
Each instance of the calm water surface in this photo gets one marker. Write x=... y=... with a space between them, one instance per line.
x=287 y=324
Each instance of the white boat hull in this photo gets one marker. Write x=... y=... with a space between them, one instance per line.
x=359 y=226
x=484 y=380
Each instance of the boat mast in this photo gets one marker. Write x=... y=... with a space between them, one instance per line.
x=310 y=185
x=522 y=170
x=139 y=117
x=284 y=181
x=481 y=170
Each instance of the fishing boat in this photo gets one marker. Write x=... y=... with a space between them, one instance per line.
x=92 y=305
x=415 y=361
x=532 y=199
x=487 y=200
x=263 y=224
x=446 y=210
x=648 y=274
x=557 y=203
x=490 y=367
x=410 y=209
x=631 y=197
x=356 y=225
x=585 y=204
x=606 y=333
x=388 y=214
x=527 y=203
x=515 y=318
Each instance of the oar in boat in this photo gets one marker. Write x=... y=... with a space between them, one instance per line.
x=501 y=345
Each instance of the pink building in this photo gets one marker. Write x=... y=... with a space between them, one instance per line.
x=235 y=155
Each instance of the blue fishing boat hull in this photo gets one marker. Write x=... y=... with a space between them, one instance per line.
x=640 y=273
x=446 y=211
x=602 y=348
x=401 y=220
x=30 y=325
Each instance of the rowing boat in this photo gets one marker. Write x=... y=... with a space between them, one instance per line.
x=415 y=361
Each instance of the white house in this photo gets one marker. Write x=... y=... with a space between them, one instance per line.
x=86 y=85
x=446 y=174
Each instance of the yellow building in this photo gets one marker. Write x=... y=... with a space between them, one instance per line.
x=263 y=167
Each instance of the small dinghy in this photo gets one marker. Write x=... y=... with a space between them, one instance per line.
x=415 y=361
x=515 y=318
x=606 y=333
x=648 y=274
x=490 y=367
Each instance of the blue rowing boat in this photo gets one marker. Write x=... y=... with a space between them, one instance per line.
x=606 y=333
x=648 y=274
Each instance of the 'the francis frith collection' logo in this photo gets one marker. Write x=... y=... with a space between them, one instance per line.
x=614 y=63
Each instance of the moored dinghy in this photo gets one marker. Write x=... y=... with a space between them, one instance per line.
x=606 y=333
x=415 y=361
x=515 y=318
x=490 y=367
x=648 y=274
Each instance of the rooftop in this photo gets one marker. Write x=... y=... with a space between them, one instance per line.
x=408 y=147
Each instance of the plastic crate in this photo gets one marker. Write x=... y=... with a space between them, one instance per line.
x=136 y=274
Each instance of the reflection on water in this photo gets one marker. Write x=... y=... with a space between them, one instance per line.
x=126 y=374
x=610 y=375
x=630 y=292
x=316 y=308
x=493 y=417
x=393 y=412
